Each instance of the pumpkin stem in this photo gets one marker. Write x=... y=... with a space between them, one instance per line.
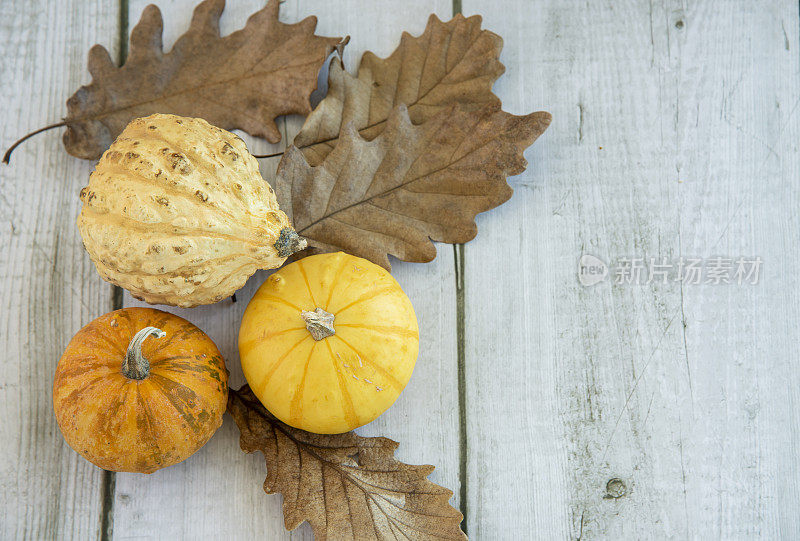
x=136 y=366
x=289 y=242
x=319 y=323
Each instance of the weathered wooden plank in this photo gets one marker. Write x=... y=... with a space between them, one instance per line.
x=674 y=135
x=739 y=165
x=50 y=288
x=218 y=491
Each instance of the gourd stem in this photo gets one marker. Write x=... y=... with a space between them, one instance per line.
x=289 y=242
x=319 y=323
x=136 y=366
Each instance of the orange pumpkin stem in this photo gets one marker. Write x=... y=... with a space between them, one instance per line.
x=136 y=366
x=319 y=323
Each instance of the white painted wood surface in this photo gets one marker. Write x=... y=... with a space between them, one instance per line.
x=675 y=133
x=49 y=285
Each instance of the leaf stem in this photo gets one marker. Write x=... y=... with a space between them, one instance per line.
x=7 y=155
x=268 y=155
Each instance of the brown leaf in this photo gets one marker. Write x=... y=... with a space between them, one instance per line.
x=346 y=486
x=409 y=185
x=243 y=80
x=453 y=62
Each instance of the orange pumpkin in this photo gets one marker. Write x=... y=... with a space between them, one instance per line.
x=329 y=342
x=139 y=389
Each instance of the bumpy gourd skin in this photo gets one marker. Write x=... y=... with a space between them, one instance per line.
x=123 y=424
x=342 y=381
x=177 y=213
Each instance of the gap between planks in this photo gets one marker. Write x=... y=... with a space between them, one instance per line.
x=109 y=477
x=458 y=259
x=458 y=252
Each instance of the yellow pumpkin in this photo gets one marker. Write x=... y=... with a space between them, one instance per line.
x=139 y=389
x=329 y=342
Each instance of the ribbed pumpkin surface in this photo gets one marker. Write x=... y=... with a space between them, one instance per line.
x=122 y=424
x=343 y=381
x=177 y=212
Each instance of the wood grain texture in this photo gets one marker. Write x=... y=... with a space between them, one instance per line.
x=218 y=491
x=674 y=134
x=50 y=288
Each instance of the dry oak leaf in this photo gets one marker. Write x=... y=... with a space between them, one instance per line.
x=346 y=486
x=243 y=80
x=408 y=186
x=453 y=62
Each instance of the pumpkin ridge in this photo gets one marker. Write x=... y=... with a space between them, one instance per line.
x=390 y=329
x=105 y=416
x=274 y=368
x=162 y=323
x=336 y=278
x=103 y=341
x=296 y=407
x=185 y=191
x=183 y=332
x=267 y=337
x=190 y=270
x=194 y=368
x=232 y=277
x=144 y=423
x=86 y=367
x=195 y=159
x=305 y=279
x=135 y=176
x=184 y=407
x=162 y=360
x=349 y=410
x=190 y=370
x=123 y=315
x=366 y=297
x=385 y=373
x=163 y=228
x=219 y=363
x=77 y=395
x=265 y=298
